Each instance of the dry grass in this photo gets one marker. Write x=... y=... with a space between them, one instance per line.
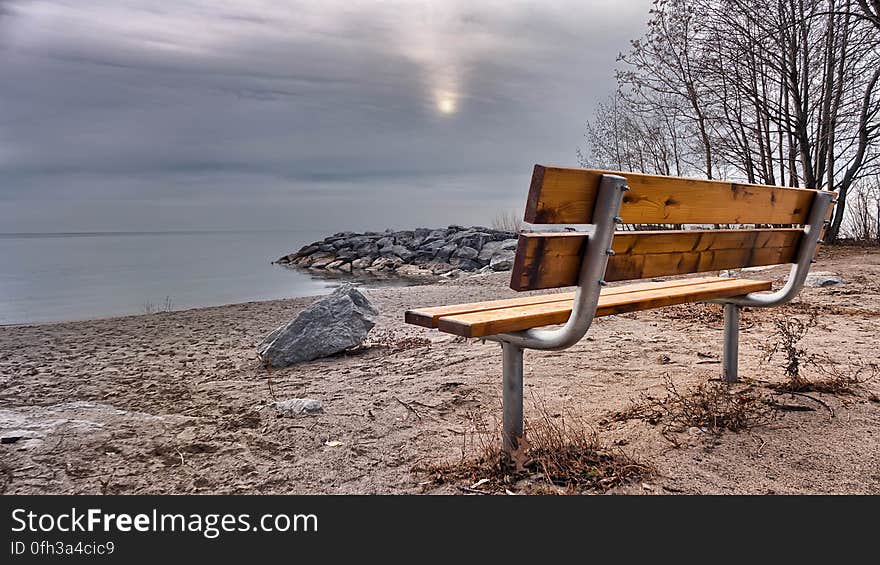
x=507 y=221
x=712 y=407
x=150 y=308
x=707 y=314
x=563 y=455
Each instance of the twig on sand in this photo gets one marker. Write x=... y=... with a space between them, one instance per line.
x=814 y=399
x=268 y=368
x=793 y=407
x=408 y=407
x=471 y=490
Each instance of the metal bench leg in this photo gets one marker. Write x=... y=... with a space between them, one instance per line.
x=731 y=343
x=512 y=397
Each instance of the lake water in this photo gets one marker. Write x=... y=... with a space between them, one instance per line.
x=59 y=277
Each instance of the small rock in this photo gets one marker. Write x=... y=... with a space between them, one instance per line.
x=489 y=249
x=334 y=265
x=466 y=253
x=322 y=262
x=413 y=271
x=441 y=268
x=361 y=263
x=446 y=251
x=402 y=252
x=380 y=264
x=502 y=261
x=822 y=279
x=435 y=235
x=347 y=255
x=466 y=264
x=299 y=406
x=358 y=242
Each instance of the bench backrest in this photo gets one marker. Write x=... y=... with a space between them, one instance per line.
x=568 y=196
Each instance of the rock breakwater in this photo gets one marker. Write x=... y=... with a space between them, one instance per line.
x=422 y=251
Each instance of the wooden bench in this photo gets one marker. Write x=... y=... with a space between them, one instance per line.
x=595 y=204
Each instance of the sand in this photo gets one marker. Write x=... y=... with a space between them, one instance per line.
x=179 y=403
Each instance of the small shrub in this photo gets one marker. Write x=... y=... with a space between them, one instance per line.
x=832 y=378
x=835 y=378
x=788 y=334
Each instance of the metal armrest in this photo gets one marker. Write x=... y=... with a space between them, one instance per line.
x=590 y=283
x=800 y=269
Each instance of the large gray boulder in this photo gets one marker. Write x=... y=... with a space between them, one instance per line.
x=330 y=325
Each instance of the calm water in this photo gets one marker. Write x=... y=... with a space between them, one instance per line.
x=55 y=277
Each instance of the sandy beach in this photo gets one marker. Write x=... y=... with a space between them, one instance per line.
x=179 y=402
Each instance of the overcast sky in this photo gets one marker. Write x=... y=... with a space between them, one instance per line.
x=202 y=114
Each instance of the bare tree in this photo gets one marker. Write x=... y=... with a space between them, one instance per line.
x=863 y=213
x=666 y=66
x=783 y=92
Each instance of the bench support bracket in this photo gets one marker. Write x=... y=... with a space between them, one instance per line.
x=592 y=271
x=731 y=343
x=822 y=202
x=512 y=397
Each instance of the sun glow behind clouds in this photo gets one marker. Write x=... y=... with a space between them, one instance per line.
x=446 y=102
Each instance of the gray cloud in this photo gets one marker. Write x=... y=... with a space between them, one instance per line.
x=115 y=115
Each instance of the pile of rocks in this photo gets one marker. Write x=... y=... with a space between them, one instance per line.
x=410 y=252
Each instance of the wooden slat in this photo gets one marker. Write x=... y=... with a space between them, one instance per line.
x=654 y=254
x=567 y=196
x=553 y=260
x=429 y=317
x=482 y=324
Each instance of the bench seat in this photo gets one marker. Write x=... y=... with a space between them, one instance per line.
x=481 y=319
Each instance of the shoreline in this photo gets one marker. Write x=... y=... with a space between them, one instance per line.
x=359 y=279
x=125 y=290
